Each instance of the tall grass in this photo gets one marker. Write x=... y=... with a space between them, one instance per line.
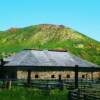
x=18 y=93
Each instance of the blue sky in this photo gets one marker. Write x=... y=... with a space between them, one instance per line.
x=81 y=15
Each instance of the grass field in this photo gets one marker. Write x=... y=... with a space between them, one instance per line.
x=20 y=93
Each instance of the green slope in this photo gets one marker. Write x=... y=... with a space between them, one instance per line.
x=47 y=36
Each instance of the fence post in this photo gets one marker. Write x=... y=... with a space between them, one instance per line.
x=78 y=94
x=85 y=97
x=8 y=84
x=69 y=95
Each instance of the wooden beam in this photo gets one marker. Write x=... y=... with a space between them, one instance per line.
x=53 y=68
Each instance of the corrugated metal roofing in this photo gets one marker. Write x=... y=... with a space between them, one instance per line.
x=46 y=58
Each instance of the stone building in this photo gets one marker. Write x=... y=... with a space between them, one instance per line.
x=45 y=64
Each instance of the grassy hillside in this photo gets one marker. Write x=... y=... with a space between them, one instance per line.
x=46 y=36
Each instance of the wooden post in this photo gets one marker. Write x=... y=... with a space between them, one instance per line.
x=86 y=77
x=92 y=78
x=69 y=95
x=60 y=83
x=76 y=76
x=1 y=65
x=29 y=78
x=59 y=78
x=6 y=81
x=99 y=75
x=8 y=84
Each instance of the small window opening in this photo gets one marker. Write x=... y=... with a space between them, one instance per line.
x=52 y=76
x=68 y=76
x=83 y=76
x=36 y=76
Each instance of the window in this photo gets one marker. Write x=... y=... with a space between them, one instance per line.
x=52 y=76
x=83 y=76
x=68 y=76
x=36 y=76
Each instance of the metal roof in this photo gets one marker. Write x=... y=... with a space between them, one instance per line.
x=46 y=58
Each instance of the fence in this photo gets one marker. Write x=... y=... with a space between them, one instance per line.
x=82 y=95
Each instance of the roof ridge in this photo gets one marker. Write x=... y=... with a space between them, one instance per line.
x=56 y=50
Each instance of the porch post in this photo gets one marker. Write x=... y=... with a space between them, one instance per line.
x=60 y=83
x=92 y=74
x=76 y=76
x=29 y=77
x=2 y=62
x=92 y=77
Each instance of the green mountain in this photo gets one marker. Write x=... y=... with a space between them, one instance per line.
x=47 y=36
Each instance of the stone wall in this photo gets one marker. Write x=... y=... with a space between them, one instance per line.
x=55 y=75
